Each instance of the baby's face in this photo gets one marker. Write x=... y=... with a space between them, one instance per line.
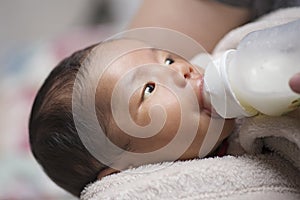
x=151 y=78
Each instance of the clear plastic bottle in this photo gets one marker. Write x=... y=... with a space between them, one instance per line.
x=254 y=78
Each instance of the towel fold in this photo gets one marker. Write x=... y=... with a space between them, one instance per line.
x=278 y=134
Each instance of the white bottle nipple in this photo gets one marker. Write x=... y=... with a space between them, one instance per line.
x=217 y=89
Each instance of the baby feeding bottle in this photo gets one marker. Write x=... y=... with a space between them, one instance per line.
x=254 y=78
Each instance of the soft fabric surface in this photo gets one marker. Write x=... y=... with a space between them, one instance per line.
x=232 y=39
x=279 y=134
x=272 y=175
x=215 y=178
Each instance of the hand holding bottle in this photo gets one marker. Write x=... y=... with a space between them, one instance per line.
x=295 y=83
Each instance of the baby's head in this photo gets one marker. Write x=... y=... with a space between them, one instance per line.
x=54 y=137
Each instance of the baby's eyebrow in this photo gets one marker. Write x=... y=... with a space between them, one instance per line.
x=158 y=53
x=155 y=50
x=140 y=73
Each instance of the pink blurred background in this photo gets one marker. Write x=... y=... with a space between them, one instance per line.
x=35 y=35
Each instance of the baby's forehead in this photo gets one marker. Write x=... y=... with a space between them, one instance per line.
x=108 y=52
x=105 y=53
x=114 y=48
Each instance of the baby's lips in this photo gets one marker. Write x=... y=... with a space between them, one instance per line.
x=206 y=102
x=198 y=77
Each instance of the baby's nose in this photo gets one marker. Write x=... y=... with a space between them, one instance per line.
x=183 y=69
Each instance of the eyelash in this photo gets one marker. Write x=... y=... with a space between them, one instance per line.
x=170 y=60
x=149 y=91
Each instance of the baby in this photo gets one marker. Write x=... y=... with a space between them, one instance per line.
x=138 y=82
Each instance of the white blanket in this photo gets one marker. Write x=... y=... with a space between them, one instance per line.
x=235 y=178
x=273 y=175
x=278 y=134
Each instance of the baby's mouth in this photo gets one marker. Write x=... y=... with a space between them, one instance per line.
x=203 y=97
x=206 y=101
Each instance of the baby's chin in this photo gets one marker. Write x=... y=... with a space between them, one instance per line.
x=228 y=129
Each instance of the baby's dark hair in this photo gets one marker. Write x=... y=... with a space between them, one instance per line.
x=53 y=137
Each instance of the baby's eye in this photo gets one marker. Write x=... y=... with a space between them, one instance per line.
x=148 y=89
x=169 y=61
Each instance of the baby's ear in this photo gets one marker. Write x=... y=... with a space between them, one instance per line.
x=107 y=172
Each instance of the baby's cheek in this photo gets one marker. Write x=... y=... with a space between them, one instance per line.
x=170 y=126
x=138 y=110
